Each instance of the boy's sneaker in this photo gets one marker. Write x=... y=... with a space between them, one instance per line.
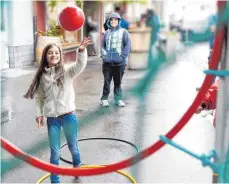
x=104 y=103
x=120 y=103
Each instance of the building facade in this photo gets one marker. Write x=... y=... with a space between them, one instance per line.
x=17 y=42
x=21 y=20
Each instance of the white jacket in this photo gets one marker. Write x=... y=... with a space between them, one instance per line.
x=53 y=101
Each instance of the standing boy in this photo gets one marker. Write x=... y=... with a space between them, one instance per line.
x=115 y=51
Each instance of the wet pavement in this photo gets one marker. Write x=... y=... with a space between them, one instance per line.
x=140 y=122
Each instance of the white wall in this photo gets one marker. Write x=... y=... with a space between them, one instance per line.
x=4 y=56
x=21 y=26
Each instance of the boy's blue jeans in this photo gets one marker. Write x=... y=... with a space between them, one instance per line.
x=115 y=72
x=69 y=124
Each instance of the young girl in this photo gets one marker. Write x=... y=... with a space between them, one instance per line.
x=54 y=95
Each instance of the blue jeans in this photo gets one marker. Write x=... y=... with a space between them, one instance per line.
x=69 y=124
x=115 y=72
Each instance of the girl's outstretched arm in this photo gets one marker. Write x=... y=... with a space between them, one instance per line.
x=81 y=54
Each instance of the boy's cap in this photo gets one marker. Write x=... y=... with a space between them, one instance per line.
x=114 y=15
x=107 y=15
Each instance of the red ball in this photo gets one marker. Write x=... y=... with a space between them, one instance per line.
x=71 y=18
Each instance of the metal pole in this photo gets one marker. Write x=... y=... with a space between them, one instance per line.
x=186 y=36
x=82 y=29
x=222 y=112
x=34 y=36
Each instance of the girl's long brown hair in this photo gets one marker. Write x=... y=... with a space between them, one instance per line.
x=59 y=72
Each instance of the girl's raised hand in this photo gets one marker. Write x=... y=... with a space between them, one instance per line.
x=86 y=41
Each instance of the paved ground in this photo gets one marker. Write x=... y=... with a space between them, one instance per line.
x=140 y=123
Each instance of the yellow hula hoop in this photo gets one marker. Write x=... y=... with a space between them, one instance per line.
x=214 y=174
x=92 y=166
